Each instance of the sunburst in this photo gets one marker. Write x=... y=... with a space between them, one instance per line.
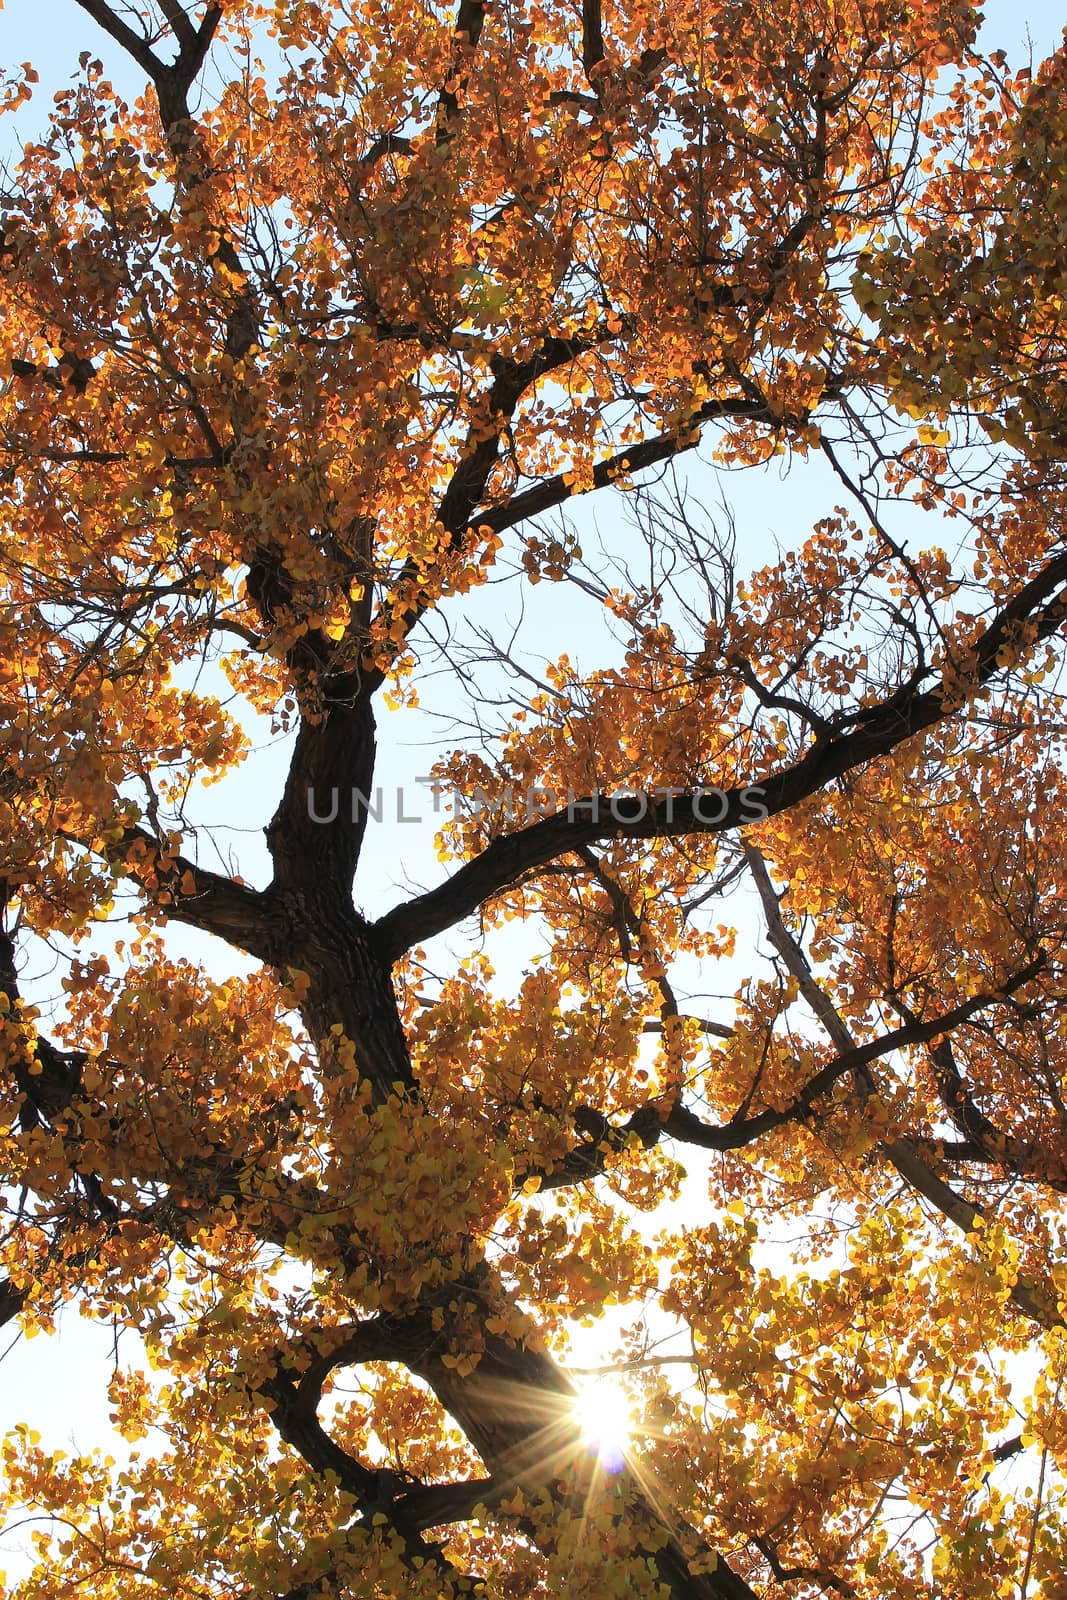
x=604 y=1416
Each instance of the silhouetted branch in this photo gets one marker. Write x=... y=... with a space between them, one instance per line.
x=903 y=1154
x=877 y=731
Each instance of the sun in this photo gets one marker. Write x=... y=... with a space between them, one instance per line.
x=604 y=1416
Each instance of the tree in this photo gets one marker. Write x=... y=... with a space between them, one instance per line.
x=331 y=328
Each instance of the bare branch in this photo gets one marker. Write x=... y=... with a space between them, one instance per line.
x=174 y=80
x=178 y=18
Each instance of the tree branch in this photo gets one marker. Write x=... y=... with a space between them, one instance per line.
x=12 y=1301
x=877 y=731
x=592 y=36
x=202 y=899
x=653 y=1121
x=172 y=80
x=315 y=835
x=682 y=1124
x=784 y=1574
x=123 y=34
x=293 y=1414
x=470 y=16
x=990 y=1143
x=718 y=1030
x=903 y=1154
x=556 y=490
x=511 y=380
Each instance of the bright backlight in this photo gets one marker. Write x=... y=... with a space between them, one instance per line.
x=602 y=1412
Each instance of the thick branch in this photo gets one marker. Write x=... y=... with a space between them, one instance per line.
x=470 y=15
x=202 y=899
x=305 y=921
x=123 y=34
x=315 y=835
x=592 y=36
x=172 y=80
x=12 y=1301
x=876 y=731
x=516 y=1408
x=556 y=490
x=511 y=381
x=294 y=1417
x=293 y=1413
x=434 y=1505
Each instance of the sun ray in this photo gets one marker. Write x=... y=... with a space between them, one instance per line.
x=604 y=1416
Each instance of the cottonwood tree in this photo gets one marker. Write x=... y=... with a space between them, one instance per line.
x=325 y=329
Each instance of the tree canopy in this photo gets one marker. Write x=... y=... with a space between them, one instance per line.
x=316 y=350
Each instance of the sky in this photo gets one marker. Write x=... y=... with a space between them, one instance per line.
x=58 y=1384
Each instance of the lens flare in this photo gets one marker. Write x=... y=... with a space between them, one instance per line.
x=605 y=1421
